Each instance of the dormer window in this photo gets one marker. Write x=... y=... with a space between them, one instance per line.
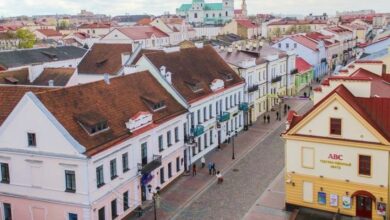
x=194 y=85
x=93 y=122
x=153 y=104
x=227 y=76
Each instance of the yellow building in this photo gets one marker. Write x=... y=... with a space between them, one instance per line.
x=338 y=154
x=284 y=26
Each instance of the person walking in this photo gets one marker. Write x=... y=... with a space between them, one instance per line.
x=210 y=165
x=265 y=118
x=203 y=161
x=268 y=119
x=214 y=169
x=194 y=170
x=219 y=177
x=277 y=115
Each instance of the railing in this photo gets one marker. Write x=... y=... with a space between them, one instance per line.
x=276 y=79
x=244 y=106
x=197 y=131
x=152 y=165
x=253 y=88
x=223 y=117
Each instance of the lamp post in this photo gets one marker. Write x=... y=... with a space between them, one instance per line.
x=233 y=153
x=156 y=199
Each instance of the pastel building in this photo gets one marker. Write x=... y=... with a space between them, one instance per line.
x=209 y=88
x=85 y=152
x=337 y=154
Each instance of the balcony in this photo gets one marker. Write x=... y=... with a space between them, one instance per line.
x=152 y=165
x=244 y=106
x=224 y=117
x=197 y=131
x=276 y=79
x=253 y=88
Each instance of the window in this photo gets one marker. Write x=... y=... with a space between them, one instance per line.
x=216 y=108
x=113 y=169
x=365 y=165
x=279 y=45
x=70 y=181
x=205 y=140
x=198 y=116
x=125 y=200
x=144 y=153
x=192 y=119
x=72 y=216
x=226 y=103
x=176 y=134
x=114 y=212
x=199 y=144
x=210 y=111
x=335 y=126
x=4 y=173
x=235 y=99
x=160 y=143
x=204 y=114
x=162 y=180
x=102 y=214
x=177 y=164
x=99 y=177
x=125 y=162
x=169 y=170
x=195 y=15
x=226 y=13
x=295 y=45
x=31 y=138
x=231 y=101
x=7 y=211
x=287 y=45
x=169 y=142
x=211 y=137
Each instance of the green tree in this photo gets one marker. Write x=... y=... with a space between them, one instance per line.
x=26 y=38
x=292 y=30
x=277 y=32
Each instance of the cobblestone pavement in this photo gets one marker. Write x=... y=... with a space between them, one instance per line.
x=244 y=182
x=186 y=197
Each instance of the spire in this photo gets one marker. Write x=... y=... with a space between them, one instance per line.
x=244 y=8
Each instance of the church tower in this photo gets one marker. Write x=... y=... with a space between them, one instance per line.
x=244 y=9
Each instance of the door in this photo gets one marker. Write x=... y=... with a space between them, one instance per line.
x=144 y=153
x=219 y=138
x=143 y=193
x=363 y=206
x=185 y=160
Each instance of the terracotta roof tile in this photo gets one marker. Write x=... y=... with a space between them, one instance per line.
x=142 y=32
x=378 y=86
x=11 y=95
x=49 y=32
x=301 y=65
x=103 y=58
x=60 y=76
x=246 y=23
x=116 y=102
x=19 y=76
x=197 y=65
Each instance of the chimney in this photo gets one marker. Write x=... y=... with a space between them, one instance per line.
x=230 y=50
x=51 y=83
x=125 y=57
x=106 y=78
x=163 y=69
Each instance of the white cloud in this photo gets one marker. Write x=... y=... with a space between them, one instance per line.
x=115 y=7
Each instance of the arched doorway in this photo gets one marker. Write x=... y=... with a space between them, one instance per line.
x=364 y=201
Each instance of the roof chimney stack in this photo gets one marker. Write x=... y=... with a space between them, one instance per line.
x=51 y=83
x=106 y=78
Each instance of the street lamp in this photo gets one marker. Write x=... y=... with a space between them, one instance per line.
x=233 y=153
x=156 y=202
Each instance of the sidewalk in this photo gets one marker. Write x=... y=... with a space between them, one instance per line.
x=185 y=188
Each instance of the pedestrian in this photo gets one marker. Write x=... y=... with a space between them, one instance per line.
x=288 y=107
x=210 y=165
x=219 y=177
x=268 y=118
x=214 y=169
x=194 y=170
x=265 y=118
x=203 y=161
x=277 y=115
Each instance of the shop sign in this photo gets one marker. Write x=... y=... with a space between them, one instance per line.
x=321 y=198
x=333 y=200
x=346 y=202
x=146 y=178
x=335 y=161
x=381 y=208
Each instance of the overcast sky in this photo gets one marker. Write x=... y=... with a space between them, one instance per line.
x=157 y=7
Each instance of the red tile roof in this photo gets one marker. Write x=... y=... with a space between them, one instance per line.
x=301 y=65
x=49 y=32
x=374 y=110
x=297 y=22
x=368 y=61
x=246 y=23
x=11 y=95
x=195 y=66
x=115 y=103
x=103 y=58
x=305 y=41
x=142 y=32
x=378 y=86
x=95 y=25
